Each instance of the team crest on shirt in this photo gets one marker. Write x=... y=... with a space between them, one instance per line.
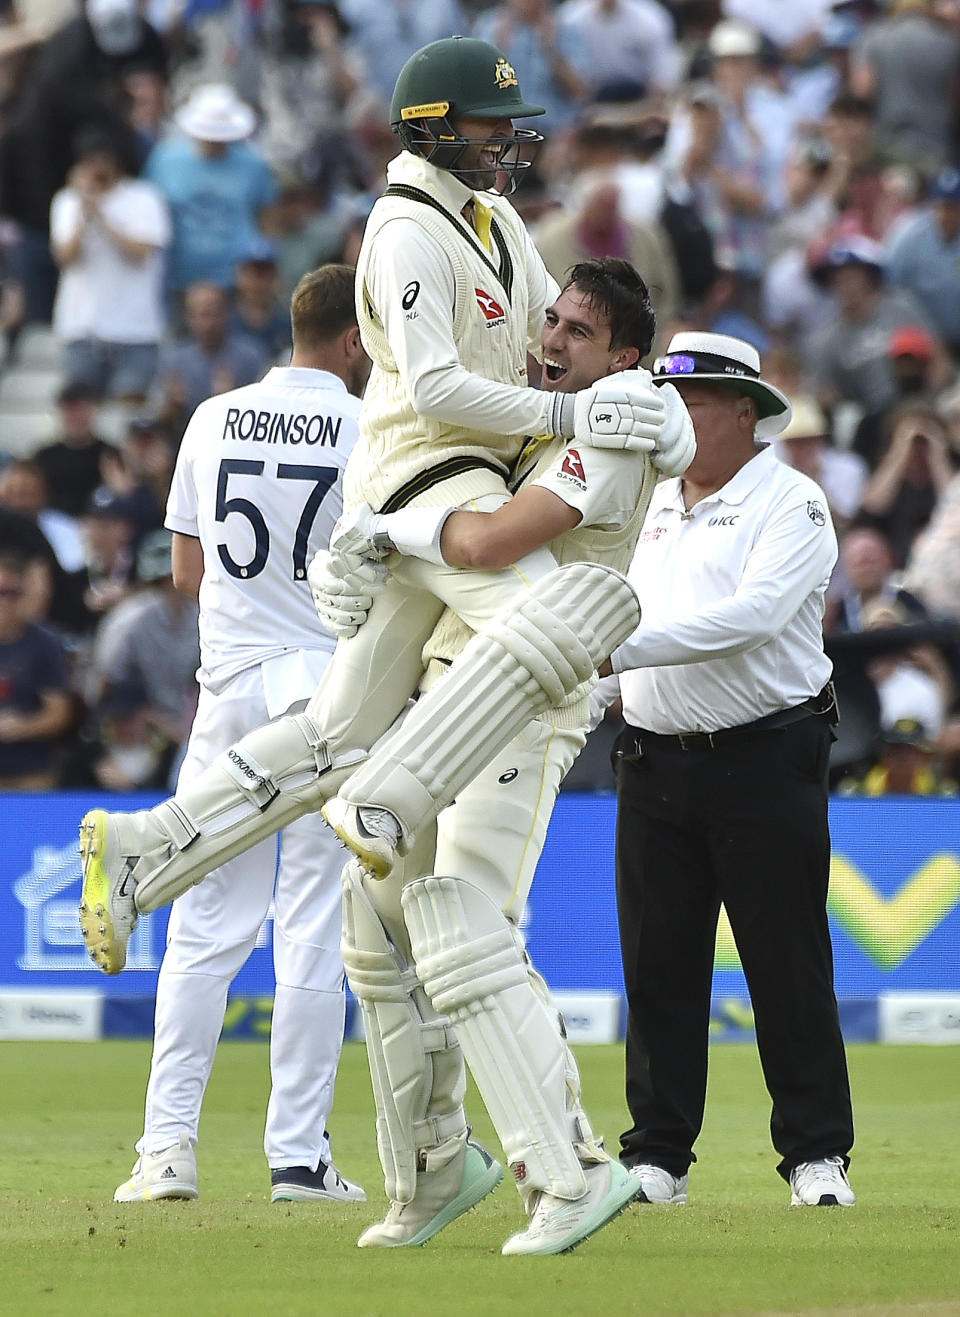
x=572 y=468
x=493 y=312
x=816 y=513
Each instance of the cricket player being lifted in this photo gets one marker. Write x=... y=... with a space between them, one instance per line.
x=442 y=424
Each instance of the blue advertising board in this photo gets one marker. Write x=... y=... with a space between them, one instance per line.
x=894 y=905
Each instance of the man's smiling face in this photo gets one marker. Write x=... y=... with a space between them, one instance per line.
x=576 y=344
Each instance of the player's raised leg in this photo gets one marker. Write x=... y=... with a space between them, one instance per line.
x=134 y=863
x=531 y=657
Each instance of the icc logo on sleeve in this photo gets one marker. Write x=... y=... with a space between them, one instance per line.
x=816 y=513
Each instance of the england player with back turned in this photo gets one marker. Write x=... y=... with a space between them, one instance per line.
x=256 y=492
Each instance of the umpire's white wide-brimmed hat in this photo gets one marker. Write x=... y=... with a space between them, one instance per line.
x=215 y=113
x=734 y=361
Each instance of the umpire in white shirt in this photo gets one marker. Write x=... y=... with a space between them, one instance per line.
x=722 y=776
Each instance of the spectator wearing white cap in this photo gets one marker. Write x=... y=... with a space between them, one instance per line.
x=215 y=184
x=925 y=257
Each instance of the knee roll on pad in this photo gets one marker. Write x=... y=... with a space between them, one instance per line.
x=526 y=662
x=416 y=1067
x=472 y=965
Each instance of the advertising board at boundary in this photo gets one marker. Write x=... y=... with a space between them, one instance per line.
x=894 y=911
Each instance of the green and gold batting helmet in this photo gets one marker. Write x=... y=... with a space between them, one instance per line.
x=461 y=78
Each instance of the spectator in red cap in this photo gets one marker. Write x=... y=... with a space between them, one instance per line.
x=925 y=257
x=920 y=366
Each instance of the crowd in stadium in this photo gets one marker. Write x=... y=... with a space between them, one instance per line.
x=785 y=173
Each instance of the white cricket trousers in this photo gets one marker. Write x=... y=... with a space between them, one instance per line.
x=213 y=928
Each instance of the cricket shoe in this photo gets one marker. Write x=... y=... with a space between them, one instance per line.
x=821 y=1184
x=658 y=1185
x=171 y=1173
x=558 y=1225
x=372 y=833
x=108 y=914
x=441 y=1197
x=298 y=1184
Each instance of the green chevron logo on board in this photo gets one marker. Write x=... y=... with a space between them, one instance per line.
x=887 y=929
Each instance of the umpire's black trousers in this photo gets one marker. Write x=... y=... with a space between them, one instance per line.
x=743 y=823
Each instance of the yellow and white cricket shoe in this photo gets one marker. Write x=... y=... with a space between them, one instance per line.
x=372 y=833
x=108 y=914
x=441 y=1197
x=171 y=1173
x=558 y=1225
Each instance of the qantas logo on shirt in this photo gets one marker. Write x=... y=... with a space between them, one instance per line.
x=493 y=312
x=573 y=466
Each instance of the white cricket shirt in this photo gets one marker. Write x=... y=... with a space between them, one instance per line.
x=739 y=583
x=258 y=482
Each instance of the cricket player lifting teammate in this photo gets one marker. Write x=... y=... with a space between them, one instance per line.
x=420 y=943
x=446 y=384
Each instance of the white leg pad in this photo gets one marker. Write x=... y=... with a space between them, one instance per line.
x=416 y=1066
x=472 y=965
x=527 y=661
x=270 y=777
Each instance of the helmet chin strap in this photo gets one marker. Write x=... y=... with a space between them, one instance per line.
x=438 y=142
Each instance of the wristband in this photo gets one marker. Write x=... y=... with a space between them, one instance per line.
x=416 y=532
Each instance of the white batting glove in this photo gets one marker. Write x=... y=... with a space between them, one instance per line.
x=344 y=587
x=621 y=411
x=677 y=443
x=360 y=532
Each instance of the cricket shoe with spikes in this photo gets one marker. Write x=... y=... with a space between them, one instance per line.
x=372 y=833
x=558 y=1225
x=108 y=914
x=442 y=1195
x=170 y=1173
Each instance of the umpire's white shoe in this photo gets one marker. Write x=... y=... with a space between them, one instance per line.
x=171 y=1173
x=298 y=1184
x=441 y=1197
x=658 y=1185
x=373 y=834
x=108 y=914
x=558 y=1225
x=821 y=1184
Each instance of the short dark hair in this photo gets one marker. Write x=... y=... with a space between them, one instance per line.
x=323 y=306
x=617 y=290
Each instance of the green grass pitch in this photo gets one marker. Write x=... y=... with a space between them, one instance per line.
x=72 y=1111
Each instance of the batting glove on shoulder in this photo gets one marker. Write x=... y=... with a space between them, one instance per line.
x=622 y=411
x=344 y=587
x=677 y=443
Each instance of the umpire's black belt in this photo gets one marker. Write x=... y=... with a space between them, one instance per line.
x=822 y=705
